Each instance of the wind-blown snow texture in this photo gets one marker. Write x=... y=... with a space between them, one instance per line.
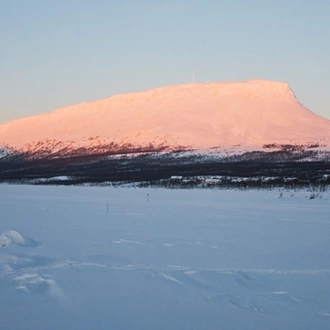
x=197 y=116
x=184 y=259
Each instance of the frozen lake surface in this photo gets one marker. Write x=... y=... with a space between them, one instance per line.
x=106 y=258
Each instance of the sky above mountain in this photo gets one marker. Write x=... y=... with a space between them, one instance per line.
x=57 y=53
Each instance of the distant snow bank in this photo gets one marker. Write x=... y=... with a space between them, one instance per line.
x=52 y=179
x=11 y=237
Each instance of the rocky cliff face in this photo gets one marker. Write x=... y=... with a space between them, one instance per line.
x=194 y=116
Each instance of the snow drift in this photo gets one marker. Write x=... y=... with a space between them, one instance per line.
x=194 y=116
x=11 y=237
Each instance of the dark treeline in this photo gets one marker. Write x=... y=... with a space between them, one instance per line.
x=152 y=167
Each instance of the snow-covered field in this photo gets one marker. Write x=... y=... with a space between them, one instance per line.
x=107 y=258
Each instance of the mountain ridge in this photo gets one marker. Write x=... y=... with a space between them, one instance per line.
x=192 y=116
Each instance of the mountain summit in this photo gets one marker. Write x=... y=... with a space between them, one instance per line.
x=192 y=116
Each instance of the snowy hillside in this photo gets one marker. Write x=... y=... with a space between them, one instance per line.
x=194 y=116
x=104 y=258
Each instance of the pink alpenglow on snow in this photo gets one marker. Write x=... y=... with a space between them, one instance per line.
x=195 y=116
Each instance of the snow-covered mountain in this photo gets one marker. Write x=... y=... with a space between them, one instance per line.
x=193 y=116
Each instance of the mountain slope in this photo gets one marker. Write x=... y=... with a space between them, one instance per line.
x=194 y=116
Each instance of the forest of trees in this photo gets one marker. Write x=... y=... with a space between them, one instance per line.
x=281 y=168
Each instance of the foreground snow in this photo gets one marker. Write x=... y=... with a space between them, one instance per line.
x=106 y=258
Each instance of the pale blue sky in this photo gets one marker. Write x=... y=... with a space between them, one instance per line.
x=59 y=52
